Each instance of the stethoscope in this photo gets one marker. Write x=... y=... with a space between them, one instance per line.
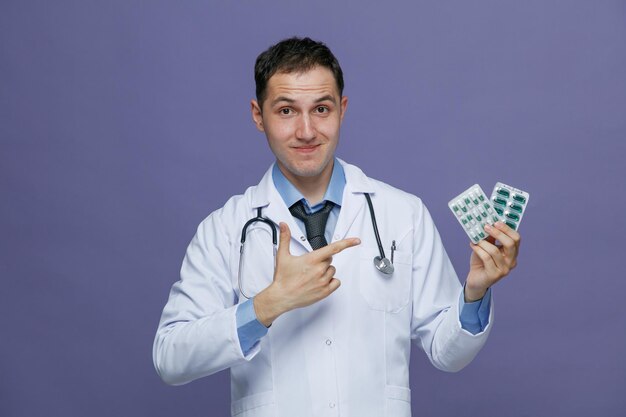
x=381 y=262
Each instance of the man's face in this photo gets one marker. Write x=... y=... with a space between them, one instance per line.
x=301 y=116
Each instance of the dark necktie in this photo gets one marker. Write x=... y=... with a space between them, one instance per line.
x=315 y=223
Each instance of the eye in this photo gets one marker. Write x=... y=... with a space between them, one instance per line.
x=322 y=109
x=285 y=111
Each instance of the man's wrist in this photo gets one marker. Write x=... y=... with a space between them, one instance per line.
x=265 y=308
x=472 y=294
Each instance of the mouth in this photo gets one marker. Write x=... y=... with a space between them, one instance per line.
x=306 y=149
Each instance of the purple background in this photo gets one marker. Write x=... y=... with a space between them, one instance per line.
x=123 y=124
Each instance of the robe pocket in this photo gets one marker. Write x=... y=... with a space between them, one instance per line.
x=390 y=293
x=257 y=405
x=397 y=401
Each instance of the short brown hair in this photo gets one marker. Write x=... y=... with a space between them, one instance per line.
x=294 y=55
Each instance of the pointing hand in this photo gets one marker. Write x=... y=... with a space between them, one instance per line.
x=299 y=281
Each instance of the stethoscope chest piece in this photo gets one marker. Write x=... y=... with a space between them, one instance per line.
x=384 y=265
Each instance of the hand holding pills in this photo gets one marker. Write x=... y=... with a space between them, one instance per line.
x=489 y=262
x=486 y=223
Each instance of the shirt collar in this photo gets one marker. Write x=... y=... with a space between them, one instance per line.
x=291 y=195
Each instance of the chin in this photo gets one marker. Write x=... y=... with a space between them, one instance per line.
x=307 y=168
x=306 y=171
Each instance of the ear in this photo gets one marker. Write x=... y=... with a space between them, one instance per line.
x=343 y=106
x=257 y=115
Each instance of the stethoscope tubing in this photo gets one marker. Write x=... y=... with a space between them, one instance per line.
x=373 y=216
x=388 y=269
x=259 y=218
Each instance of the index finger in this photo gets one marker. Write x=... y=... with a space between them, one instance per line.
x=513 y=234
x=334 y=248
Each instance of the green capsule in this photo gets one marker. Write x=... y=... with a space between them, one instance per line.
x=484 y=214
x=495 y=219
x=519 y=198
x=516 y=207
x=478 y=218
x=500 y=201
x=464 y=209
x=469 y=217
x=503 y=192
x=498 y=210
x=464 y=221
x=480 y=197
x=474 y=199
x=511 y=225
x=511 y=215
x=481 y=235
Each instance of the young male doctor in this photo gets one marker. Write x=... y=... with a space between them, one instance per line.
x=324 y=332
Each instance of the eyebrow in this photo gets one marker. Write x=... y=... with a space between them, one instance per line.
x=282 y=98
x=327 y=97
x=279 y=99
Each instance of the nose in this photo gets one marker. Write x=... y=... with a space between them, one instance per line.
x=306 y=128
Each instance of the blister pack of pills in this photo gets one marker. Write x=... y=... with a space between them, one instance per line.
x=510 y=204
x=473 y=210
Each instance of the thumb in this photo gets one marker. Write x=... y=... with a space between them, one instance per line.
x=285 y=238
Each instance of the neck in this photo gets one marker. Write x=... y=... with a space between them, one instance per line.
x=312 y=188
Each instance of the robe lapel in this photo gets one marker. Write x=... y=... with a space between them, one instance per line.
x=353 y=204
x=353 y=201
